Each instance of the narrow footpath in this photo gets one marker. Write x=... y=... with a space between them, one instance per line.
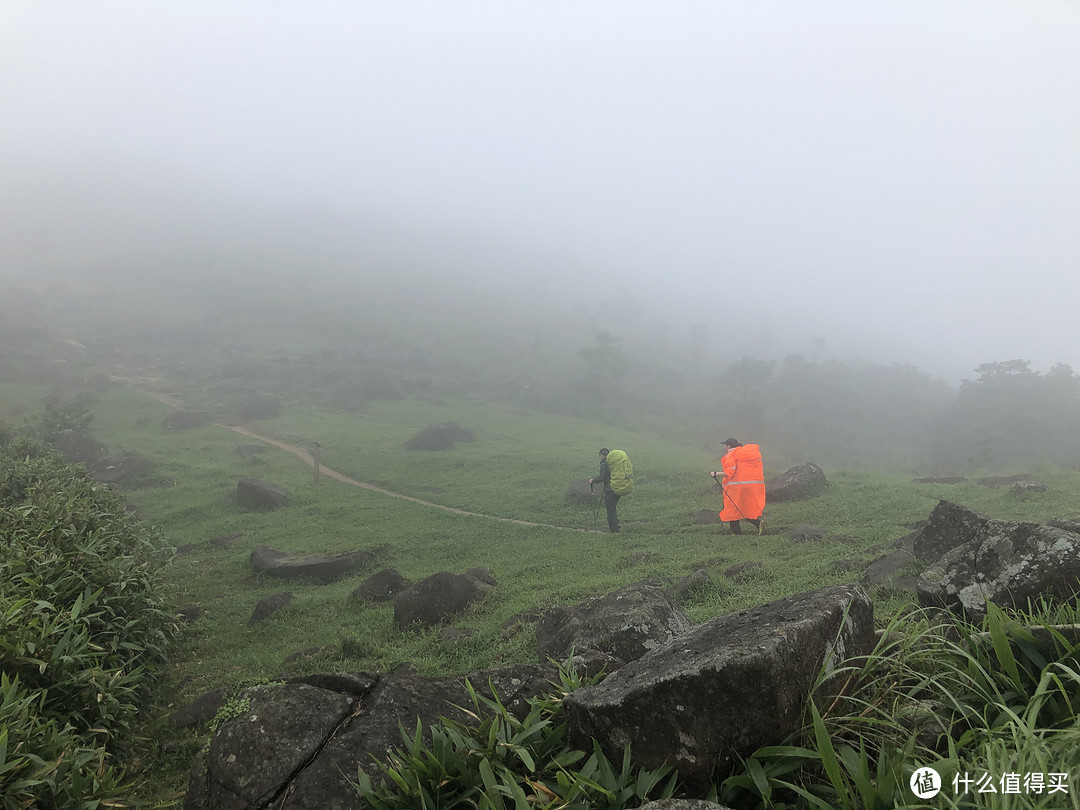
x=140 y=385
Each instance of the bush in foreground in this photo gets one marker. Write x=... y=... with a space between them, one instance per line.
x=83 y=627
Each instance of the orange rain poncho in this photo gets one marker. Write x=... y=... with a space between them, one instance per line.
x=744 y=483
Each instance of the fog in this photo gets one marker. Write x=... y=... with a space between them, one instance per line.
x=896 y=180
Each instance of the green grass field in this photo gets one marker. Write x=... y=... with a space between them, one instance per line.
x=519 y=468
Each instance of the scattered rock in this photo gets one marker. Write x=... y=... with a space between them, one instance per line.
x=201 y=710
x=436 y=598
x=949 y=525
x=275 y=563
x=944 y=479
x=189 y=614
x=625 y=624
x=740 y=570
x=440 y=437
x=249 y=451
x=797 y=484
x=455 y=636
x=1026 y=488
x=724 y=689
x=225 y=541
x=484 y=574
x=381 y=586
x=184 y=420
x=1006 y=563
x=255 y=494
x=268 y=606
x=253 y=756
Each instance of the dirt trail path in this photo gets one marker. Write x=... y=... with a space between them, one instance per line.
x=140 y=385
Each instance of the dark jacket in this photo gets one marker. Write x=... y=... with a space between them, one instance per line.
x=604 y=476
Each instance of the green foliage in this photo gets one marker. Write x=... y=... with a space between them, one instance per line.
x=82 y=629
x=995 y=699
x=66 y=414
x=500 y=761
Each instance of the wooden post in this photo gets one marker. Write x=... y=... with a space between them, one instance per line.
x=316 y=454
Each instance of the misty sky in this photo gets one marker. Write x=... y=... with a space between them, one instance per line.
x=894 y=173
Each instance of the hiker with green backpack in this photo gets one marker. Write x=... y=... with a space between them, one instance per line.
x=617 y=476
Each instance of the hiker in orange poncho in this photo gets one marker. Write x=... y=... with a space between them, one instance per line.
x=743 y=485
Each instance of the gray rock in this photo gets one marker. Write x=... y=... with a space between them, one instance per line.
x=199 y=711
x=399 y=701
x=256 y=494
x=625 y=624
x=381 y=586
x=797 y=484
x=268 y=606
x=949 y=525
x=254 y=755
x=1027 y=488
x=433 y=600
x=724 y=689
x=1007 y=563
x=275 y=563
x=739 y=570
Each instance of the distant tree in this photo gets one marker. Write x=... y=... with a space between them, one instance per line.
x=1010 y=414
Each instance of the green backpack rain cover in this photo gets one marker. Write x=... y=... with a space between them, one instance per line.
x=622 y=472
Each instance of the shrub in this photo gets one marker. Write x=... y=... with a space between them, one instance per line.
x=83 y=626
x=500 y=761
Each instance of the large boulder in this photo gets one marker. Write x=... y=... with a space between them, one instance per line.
x=299 y=743
x=797 y=484
x=436 y=598
x=275 y=563
x=625 y=624
x=253 y=756
x=1007 y=563
x=724 y=689
x=949 y=525
x=256 y=494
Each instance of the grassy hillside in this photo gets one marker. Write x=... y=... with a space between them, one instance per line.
x=519 y=468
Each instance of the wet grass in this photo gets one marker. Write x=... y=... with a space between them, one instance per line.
x=519 y=467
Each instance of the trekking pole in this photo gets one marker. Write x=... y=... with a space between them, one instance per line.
x=728 y=497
